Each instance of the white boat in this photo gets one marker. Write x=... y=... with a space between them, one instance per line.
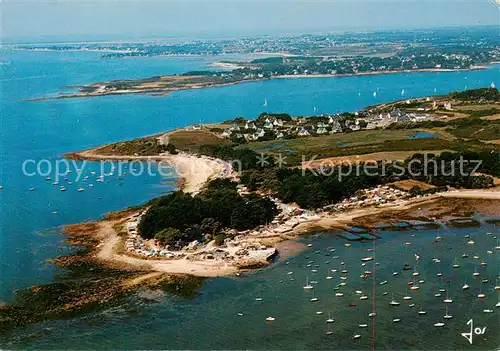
x=394 y=302
x=374 y=94
x=342 y=283
x=314 y=270
x=372 y=314
x=422 y=312
x=396 y=320
x=290 y=273
x=363 y=297
x=357 y=336
x=314 y=298
x=385 y=293
x=411 y=305
x=330 y=319
x=437 y=295
x=240 y=314
x=343 y=278
x=470 y=242
x=447 y=299
x=407 y=297
x=466 y=286
x=481 y=295
x=483 y=264
x=384 y=282
x=455 y=264
x=439 y=325
x=339 y=294
x=366 y=259
x=359 y=292
x=488 y=311
x=363 y=325
x=498 y=304
x=476 y=273
x=421 y=281
x=270 y=319
x=258 y=299
x=308 y=286
x=447 y=316
x=484 y=281
x=395 y=273
x=81 y=189
x=319 y=313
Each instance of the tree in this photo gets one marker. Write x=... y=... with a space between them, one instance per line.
x=168 y=236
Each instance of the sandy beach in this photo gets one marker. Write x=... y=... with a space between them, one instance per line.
x=193 y=171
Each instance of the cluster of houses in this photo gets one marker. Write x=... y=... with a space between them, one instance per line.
x=270 y=128
x=370 y=197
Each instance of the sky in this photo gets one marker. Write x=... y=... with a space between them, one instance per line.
x=93 y=19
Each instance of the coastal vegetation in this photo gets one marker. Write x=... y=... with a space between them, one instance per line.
x=178 y=218
x=310 y=189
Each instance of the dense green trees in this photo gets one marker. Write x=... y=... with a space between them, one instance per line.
x=314 y=189
x=489 y=94
x=181 y=218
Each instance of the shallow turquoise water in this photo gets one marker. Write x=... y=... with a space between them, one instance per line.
x=29 y=232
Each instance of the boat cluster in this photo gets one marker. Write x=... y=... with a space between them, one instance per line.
x=414 y=285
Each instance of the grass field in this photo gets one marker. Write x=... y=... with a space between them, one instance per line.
x=191 y=140
x=360 y=143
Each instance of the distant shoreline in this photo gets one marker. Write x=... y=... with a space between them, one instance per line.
x=164 y=92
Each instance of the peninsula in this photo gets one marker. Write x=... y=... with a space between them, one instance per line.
x=228 y=219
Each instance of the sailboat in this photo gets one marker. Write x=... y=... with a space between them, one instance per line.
x=447 y=300
x=329 y=276
x=314 y=298
x=407 y=297
x=394 y=302
x=497 y=287
x=330 y=319
x=259 y=298
x=396 y=320
x=476 y=273
x=329 y=331
x=402 y=92
x=415 y=272
x=363 y=297
x=308 y=286
x=481 y=295
x=421 y=312
x=447 y=316
x=414 y=286
x=270 y=319
x=466 y=286
x=374 y=94
x=455 y=263
x=439 y=325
